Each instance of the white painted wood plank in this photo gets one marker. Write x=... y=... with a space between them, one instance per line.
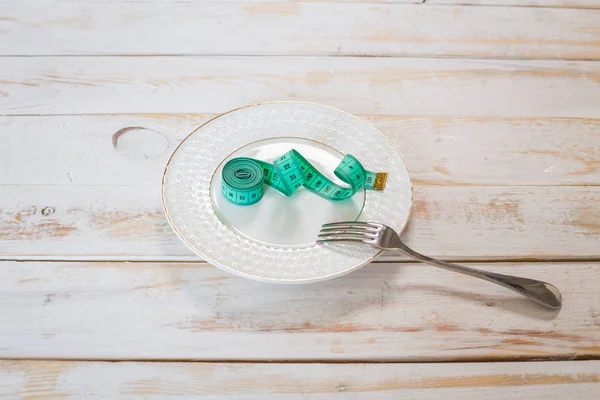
x=451 y=222
x=292 y=28
x=401 y=312
x=439 y=150
x=422 y=3
x=519 y=3
x=82 y=85
x=135 y=380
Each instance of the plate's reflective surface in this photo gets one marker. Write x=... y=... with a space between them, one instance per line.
x=277 y=220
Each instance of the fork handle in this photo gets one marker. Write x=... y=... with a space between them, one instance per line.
x=541 y=292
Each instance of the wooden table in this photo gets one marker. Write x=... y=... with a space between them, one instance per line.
x=495 y=105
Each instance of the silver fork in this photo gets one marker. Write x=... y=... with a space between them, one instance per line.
x=385 y=238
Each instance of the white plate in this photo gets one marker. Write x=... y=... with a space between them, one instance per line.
x=274 y=240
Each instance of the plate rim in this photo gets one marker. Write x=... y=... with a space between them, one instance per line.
x=272 y=280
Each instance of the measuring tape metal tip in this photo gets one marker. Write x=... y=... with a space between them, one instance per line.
x=380 y=181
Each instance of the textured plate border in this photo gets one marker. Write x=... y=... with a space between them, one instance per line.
x=188 y=208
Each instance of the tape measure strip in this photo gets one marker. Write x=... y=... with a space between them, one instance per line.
x=244 y=178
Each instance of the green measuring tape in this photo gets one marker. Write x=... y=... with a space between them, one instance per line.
x=244 y=178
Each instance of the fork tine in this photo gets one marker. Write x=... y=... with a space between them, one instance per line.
x=352 y=241
x=346 y=236
x=350 y=229
x=351 y=224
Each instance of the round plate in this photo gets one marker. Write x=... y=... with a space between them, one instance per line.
x=274 y=240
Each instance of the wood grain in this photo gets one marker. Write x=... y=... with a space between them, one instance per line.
x=585 y=4
x=76 y=380
x=83 y=85
x=296 y=28
x=399 y=312
x=423 y=3
x=451 y=222
x=439 y=150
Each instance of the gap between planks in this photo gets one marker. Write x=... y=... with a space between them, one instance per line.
x=383 y=261
x=316 y=55
x=463 y=360
x=416 y=182
x=211 y=115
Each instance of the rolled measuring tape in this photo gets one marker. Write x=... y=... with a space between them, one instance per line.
x=244 y=178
